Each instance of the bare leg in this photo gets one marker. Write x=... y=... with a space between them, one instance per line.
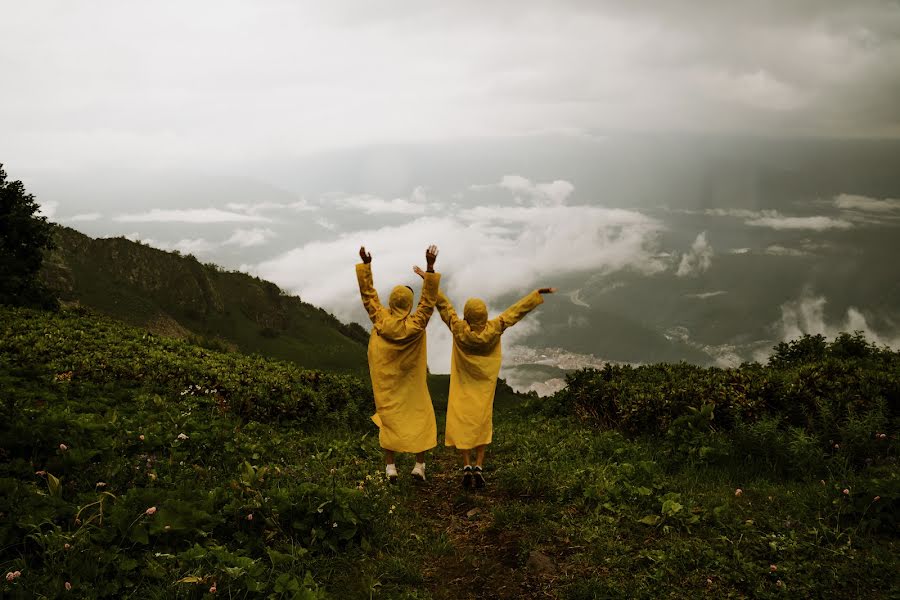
x=466 y=456
x=388 y=457
x=479 y=455
x=420 y=457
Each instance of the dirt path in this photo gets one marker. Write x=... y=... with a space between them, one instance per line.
x=481 y=562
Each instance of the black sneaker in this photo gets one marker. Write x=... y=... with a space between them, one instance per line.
x=467 y=477
x=479 y=477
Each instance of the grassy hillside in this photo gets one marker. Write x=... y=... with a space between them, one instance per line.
x=178 y=296
x=136 y=465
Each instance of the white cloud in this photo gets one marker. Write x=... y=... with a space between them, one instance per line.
x=47 y=209
x=326 y=224
x=806 y=315
x=192 y=246
x=739 y=251
x=191 y=215
x=487 y=252
x=375 y=205
x=705 y=295
x=779 y=250
x=864 y=203
x=553 y=193
x=84 y=217
x=811 y=223
x=698 y=259
x=258 y=207
x=246 y=238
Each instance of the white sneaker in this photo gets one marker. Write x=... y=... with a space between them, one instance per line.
x=391 y=472
x=418 y=471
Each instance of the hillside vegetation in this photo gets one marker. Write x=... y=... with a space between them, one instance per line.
x=138 y=465
x=178 y=296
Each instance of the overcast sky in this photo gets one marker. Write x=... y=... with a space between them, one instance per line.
x=175 y=83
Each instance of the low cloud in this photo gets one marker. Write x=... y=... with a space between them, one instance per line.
x=554 y=193
x=258 y=207
x=247 y=238
x=867 y=204
x=375 y=205
x=698 y=259
x=47 y=209
x=811 y=223
x=705 y=295
x=739 y=251
x=82 y=218
x=490 y=252
x=806 y=315
x=184 y=246
x=779 y=250
x=191 y=215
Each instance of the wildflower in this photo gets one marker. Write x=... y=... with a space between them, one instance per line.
x=846 y=492
x=837 y=446
x=101 y=484
x=141 y=437
x=150 y=511
x=10 y=576
x=881 y=436
x=212 y=589
x=822 y=481
x=773 y=568
x=778 y=583
x=876 y=498
x=68 y=587
x=250 y=517
x=40 y=473
x=182 y=436
x=63 y=447
x=738 y=492
x=708 y=581
x=333 y=525
x=167 y=527
x=66 y=546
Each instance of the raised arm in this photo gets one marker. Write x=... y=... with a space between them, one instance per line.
x=444 y=306
x=366 y=286
x=430 y=290
x=517 y=311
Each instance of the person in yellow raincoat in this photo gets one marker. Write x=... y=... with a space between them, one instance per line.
x=398 y=365
x=474 y=368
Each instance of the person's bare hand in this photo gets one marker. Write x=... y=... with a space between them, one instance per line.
x=431 y=256
x=365 y=256
x=418 y=271
x=547 y=291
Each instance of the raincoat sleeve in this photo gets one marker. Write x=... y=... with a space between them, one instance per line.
x=427 y=300
x=367 y=290
x=445 y=308
x=517 y=311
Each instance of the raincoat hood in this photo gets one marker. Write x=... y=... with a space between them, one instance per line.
x=475 y=313
x=401 y=301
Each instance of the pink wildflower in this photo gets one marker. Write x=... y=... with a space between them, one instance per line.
x=738 y=492
x=250 y=517
x=876 y=498
x=63 y=447
x=837 y=446
x=141 y=437
x=150 y=511
x=212 y=589
x=773 y=568
x=40 y=473
x=846 y=492
x=68 y=587
x=10 y=576
x=66 y=546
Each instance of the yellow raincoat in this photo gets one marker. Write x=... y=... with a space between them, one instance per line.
x=398 y=364
x=475 y=365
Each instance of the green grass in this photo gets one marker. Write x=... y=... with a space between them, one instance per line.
x=618 y=516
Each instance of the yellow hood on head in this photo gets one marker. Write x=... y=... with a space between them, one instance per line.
x=475 y=313
x=401 y=301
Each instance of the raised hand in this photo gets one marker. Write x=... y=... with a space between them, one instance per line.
x=431 y=256
x=365 y=256
x=418 y=271
x=547 y=291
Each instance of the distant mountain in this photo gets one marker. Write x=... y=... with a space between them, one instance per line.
x=178 y=296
